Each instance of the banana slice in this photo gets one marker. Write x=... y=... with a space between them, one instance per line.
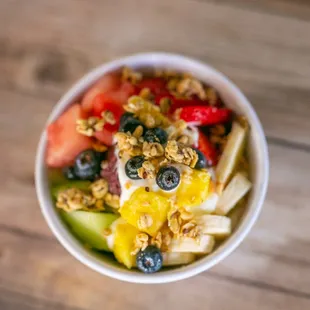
x=235 y=190
x=215 y=225
x=231 y=155
x=173 y=259
x=184 y=244
x=208 y=206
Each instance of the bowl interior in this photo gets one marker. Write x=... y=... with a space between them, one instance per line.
x=258 y=158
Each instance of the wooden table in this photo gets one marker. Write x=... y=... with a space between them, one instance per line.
x=263 y=46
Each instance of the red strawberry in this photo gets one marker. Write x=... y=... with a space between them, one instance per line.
x=64 y=143
x=204 y=115
x=205 y=146
x=103 y=103
x=182 y=103
x=155 y=85
x=105 y=136
x=107 y=83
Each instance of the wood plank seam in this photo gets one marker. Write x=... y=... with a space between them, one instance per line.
x=33 y=301
x=26 y=234
x=246 y=6
x=288 y=144
x=258 y=284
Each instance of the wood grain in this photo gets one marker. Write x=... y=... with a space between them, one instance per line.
x=263 y=46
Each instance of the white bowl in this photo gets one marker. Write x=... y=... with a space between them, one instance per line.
x=259 y=161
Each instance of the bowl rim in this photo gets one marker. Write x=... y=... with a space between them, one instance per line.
x=71 y=244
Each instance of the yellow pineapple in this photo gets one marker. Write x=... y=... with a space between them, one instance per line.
x=124 y=237
x=147 y=211
x=193 y=188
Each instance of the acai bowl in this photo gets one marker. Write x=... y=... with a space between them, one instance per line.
x=152 y=168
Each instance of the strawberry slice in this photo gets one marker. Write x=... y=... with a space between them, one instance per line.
x=155 y=85
x=205 y=146
x=107 y=102
x=108 y=83
x=204 y=115
x=64 y=143
x=105 y=136
x=162 y=95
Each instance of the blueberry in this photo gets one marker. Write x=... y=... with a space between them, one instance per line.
x=156 y=135
x=124 y=117
x=150 y=260
x=202 y=161
x=132 y=166
x=129 y=123
x=69 y=173
x=168 y=178
x=87 y=165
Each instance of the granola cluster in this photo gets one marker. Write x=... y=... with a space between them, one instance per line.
x=161 y=240
x=140 y=243
x=148 y=170
x=182 y=223
x=73 y=199
x=179 y=153
x=89 y=126
x=183 y=85
x=180 y=133
x=152 y=149
x=129 y=143
x=148 y=113
x=145 y=221
x=218 y=136
x=146 y=94
x=112 y=201
x=131 y=76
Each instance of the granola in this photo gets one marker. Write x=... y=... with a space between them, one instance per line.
x=108 y=117
x=152 y=149
x=147 y=171
x=112 y=201
x=73 y=199
x=145 y=221
x=140 y=243
x=148 y=113
x=157 y=240
x=130 y=75
x=211 y=96
x=189 y=87
x=146 y=94
x=165 y=104
x=179 y=153
x=99 y=188
x=88 y=127
x=128 y=143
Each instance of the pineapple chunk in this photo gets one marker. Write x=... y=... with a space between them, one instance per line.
x=184 y=244
x=235 y=190
x=193 y=189
x=124 y=237
x=215 y=225
x=146 y=211
x=174 y=258
x=231 y=155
